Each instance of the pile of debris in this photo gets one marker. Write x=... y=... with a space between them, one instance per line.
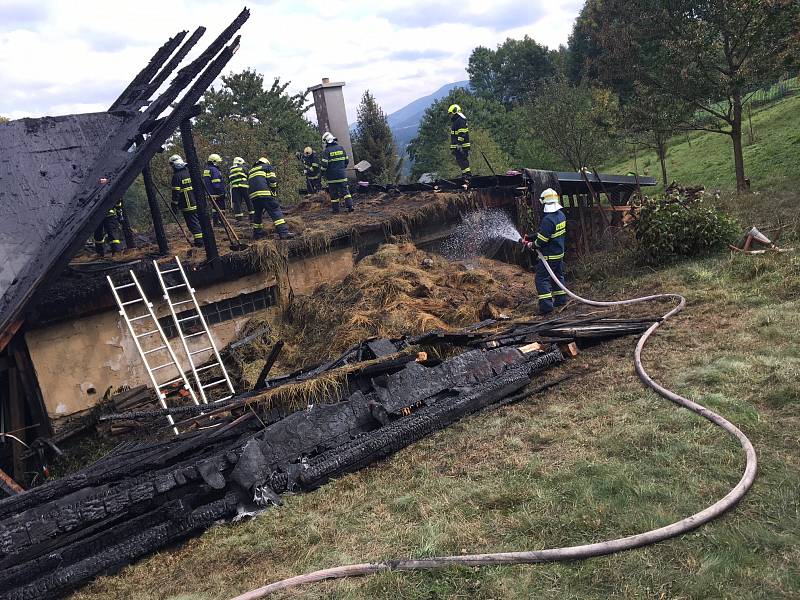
x=250 y=449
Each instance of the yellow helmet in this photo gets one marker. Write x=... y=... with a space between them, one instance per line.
x=454 y=108
x=214 y=158
x=263 y=160
x=238 y=160
x=307 y=150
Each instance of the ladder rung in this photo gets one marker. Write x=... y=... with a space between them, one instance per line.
x=207 y=367
x=132 y=302
x=147 y=333
x=145 y=316
x=154 y=350
x=162 y=366
x=195 y=334
x=182 y=302
x=188 y=318
x=175 y=287
x=205 y=387
x=224 y=398
x=122 y=287
x=170 y=382
x=199 y=351
x=170 y=271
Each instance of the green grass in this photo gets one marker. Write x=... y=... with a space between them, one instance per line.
x=771 y=160
x=594 y=458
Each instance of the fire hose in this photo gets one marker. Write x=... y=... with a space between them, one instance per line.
x=568 y=553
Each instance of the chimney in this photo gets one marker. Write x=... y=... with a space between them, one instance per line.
x=332 y=114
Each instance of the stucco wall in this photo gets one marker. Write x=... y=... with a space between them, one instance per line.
x=77 y=361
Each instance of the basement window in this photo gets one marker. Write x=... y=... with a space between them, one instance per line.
x=224 y=310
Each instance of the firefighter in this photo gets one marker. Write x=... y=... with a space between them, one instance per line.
x=550 y=241
x=240 y=198
x=459 y=141
x=333 y=163
x=215 y=187
x=311 y=170
x=263 y=184
x=183 y=197
x=108 y=232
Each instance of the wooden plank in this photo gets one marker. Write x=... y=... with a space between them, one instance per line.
x=16 y=413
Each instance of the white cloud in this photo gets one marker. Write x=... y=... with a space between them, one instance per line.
x=70 y=56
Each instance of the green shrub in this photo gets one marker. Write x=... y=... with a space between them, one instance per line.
x=668 y=228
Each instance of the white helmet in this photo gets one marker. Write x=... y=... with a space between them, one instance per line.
x=549 y=196
x=238 y=160
x=176 y=161
x=328 y=137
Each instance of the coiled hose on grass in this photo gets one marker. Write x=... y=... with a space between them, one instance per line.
x=568 y=552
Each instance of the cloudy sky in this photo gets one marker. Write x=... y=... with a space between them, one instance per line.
x=65 y=56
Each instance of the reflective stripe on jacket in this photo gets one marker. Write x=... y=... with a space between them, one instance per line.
x=262 y=181
x=212 y=178
x=237 y=177
x=459 y=131
x=334 y=163
x=182 y=190
x=551 y=237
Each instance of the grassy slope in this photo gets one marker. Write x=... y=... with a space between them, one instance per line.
x=771 y=162
x=594 y=458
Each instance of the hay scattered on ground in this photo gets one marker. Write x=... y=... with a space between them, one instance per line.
x=402 y=291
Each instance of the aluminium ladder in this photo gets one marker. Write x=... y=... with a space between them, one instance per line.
x=188 y=317
x=148 y=317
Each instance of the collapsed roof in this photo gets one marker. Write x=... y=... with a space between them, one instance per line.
x=60 y=175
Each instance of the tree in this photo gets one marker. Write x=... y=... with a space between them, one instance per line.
x=651 y=119
x=709 y=53
x=374 y=142
x=576 y=122
x=508 y=73
x=244 y=98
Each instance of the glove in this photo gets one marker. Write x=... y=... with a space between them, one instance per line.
x=526 y=242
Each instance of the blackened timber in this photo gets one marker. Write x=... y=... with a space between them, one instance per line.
x=209 y=241
x=189 y=72
x=106 y=177
x=155 y=211
x=273 y=356
x=170 y=67
x=148 y=72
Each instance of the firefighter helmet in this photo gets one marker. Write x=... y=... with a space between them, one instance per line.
x=328 y=137
x=264 y=160
x=549 y=196
x=238 y=160
x=176 y=161
x=307 y=151
x=214 y=158
x=454 y=108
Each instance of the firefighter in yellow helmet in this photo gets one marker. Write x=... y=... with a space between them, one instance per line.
x=459 y=141
x=215 y=186
x=263 y=183
x=240 y=196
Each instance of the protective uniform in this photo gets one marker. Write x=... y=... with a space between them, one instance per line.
x=215 y=188
x=108 y=232
x=551 y=241
x=263 y=183
x=312 y=171
x=183 y=198
x=459 y=140
x=240 y=196
x=333 y=163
